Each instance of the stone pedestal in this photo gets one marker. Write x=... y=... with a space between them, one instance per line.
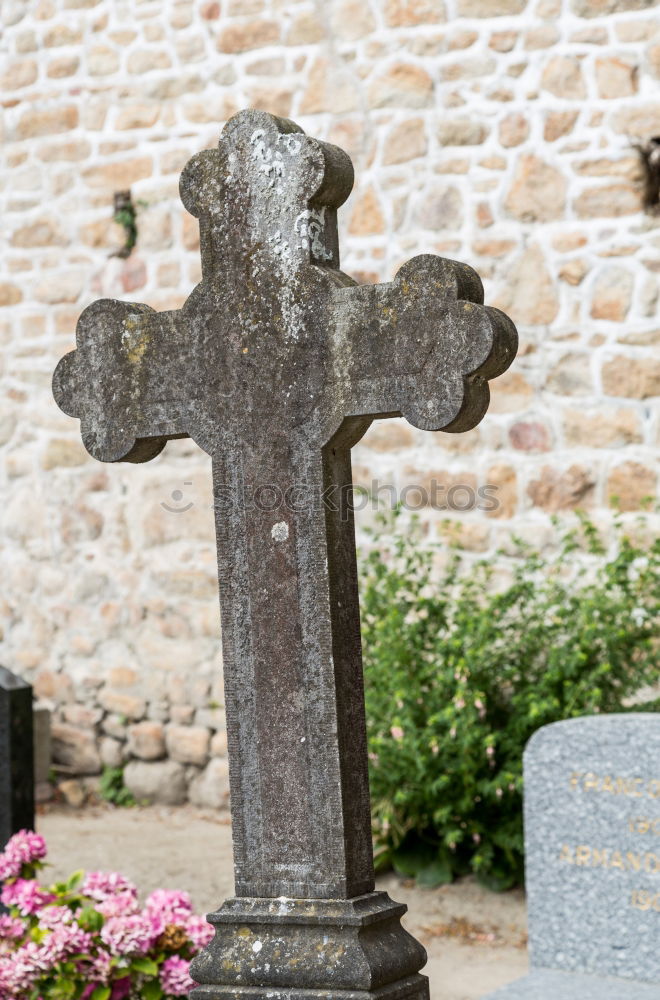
x=341 y=949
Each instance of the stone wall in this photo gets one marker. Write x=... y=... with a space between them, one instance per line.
x=498 y=132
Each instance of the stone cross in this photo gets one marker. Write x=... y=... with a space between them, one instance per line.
x=276 y=365
x=16 y=756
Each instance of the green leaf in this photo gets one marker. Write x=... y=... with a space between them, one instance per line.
x=151 y=990
x=412 y=857
x=90 y=919
x=75 y=880
x=437 y=873
x=497 y=880
x=145 y=965
x=101 y=993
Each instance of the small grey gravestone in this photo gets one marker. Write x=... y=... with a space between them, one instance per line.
x=16 y=756
x=592 y=842
x=276 y=365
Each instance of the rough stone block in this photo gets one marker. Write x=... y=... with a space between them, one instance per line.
x=146 y=740
x=211 y=718
x=218 y=746
x=636 y=378
x=210 y=789
x=251 y=35
x=161 y=782
x=112 y=752
x=72 y=791
x=188 y=744
x=122 y=704
x=609 y=200
x=75 y=748
x=33 y=124
x=632 y=486
x=403 y=85
x=406 y=141
x=528 y=291
x=612 y=294
x=557 y=490
x=538 y=192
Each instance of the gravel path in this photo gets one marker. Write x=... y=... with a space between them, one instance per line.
x=475 y=939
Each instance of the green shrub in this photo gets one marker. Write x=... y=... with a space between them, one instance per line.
x=112 y=788
x=458 y=675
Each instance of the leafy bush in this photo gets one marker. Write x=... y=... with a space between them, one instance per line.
x=459 y=675
x=88 y=938
x=112 y=788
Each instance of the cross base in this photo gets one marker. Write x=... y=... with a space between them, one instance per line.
x=310 y=949
x=412 y=988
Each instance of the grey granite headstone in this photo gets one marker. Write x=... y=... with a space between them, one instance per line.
x=16 y=756
x=276 y=365
x=592 y=840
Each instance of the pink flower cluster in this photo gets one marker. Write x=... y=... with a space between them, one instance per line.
x=11 y=927
x=26 y=895
x=131 y=934
x=113 y=894
x=175 y=978
x=24 y=848
x=167 y=906
x=95 y=925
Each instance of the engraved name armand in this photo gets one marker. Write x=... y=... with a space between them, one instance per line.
x=584 y=856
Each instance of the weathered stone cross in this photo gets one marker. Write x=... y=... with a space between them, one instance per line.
x=276 y=365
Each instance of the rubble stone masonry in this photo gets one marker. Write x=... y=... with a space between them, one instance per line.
x=498 y=132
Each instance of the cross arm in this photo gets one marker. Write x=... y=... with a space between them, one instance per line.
x=125 y=380
x=423 y=346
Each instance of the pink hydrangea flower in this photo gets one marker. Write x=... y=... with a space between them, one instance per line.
x=26 y=895
x=199 y=931
x=6 y=976
x=67 y=939
x=101 y=968
x=175 y=976
x=168 y=906
x=51 y=916
x=27 y=846
x=170 y=901
x=11 y=927
x=27 y=964
x=123 y=904
x=102 y=885
x=10 y=866
x=24 y=848
x=128 y=935
x=95 y=957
